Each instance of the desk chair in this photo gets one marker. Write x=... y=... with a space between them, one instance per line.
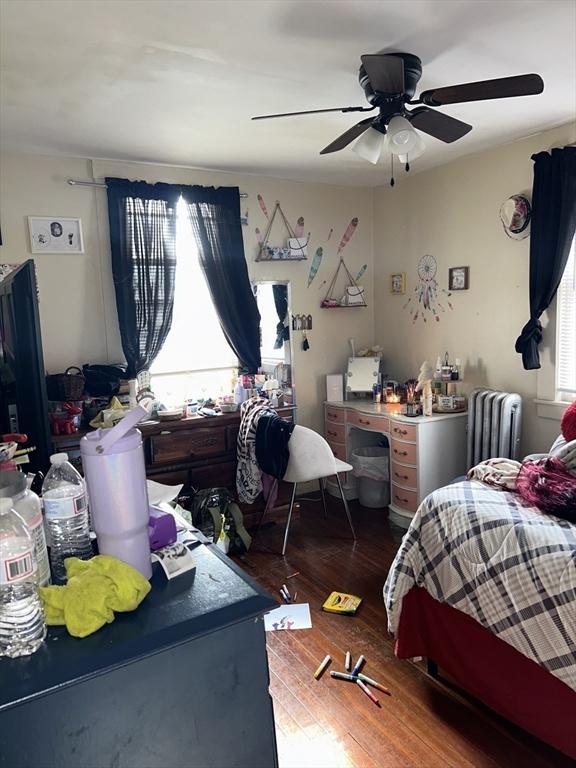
x=311 y=458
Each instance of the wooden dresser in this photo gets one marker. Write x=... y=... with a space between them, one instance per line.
x=425 y=452
x=198 y=451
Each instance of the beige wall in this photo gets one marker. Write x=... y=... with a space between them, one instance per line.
x=452 y=213
x=78 y=311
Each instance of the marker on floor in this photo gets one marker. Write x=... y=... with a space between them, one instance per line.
x=344 y=676
x=348 y=662
x=318 y=674
x=358 y=666
x=373 y=683
x=368 y=692
x=288 y=595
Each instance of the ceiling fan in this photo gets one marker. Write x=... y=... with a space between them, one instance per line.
x=389 y=82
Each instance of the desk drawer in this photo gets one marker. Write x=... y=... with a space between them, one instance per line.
x=376 y=423
x=335 y=414
x=406 y=499
x=339 y=450
x=403 y=431
x=197 y=443
x=407 y=476
x=335 y=432
x=403 y=452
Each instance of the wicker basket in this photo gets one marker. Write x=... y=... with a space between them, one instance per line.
x=66 y=386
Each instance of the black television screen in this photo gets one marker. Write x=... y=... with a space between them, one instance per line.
x=23 y=401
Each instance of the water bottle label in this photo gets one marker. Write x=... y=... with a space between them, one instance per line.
x=36 y=528
x=69 y=506
x=17 y=568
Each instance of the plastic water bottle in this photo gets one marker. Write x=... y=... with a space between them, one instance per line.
x=66 y=514
x=22 y=627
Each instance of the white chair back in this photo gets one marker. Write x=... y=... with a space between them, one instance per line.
x=310 y=456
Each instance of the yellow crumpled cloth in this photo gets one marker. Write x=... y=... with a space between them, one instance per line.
x=95 y=589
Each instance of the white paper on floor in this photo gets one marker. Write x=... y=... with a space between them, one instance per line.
x=289 y=616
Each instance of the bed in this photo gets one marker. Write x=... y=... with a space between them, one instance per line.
x=486 y=587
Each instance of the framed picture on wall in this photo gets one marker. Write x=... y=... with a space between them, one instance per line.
x=398 y=283
x=55 y=234
x=458 y=278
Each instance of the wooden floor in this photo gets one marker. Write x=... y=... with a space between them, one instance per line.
x=330 y=723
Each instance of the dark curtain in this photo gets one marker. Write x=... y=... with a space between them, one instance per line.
x=215 y=217
x=552 y=232
x=280 y=293
x=143 y=241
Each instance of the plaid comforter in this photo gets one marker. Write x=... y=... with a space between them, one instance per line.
x=508 y=566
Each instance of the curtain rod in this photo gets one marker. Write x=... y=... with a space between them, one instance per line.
x=75 y=183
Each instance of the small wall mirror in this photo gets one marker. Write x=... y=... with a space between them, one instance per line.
x=273 y=299
x=362 y=374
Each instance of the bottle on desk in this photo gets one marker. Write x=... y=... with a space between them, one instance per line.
x=22 y=627
x=66 y=514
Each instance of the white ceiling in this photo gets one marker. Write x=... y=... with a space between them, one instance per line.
x=176 y=81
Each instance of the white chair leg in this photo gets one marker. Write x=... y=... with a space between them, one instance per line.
x=323 y=495
x=288 y=520
x=346 y=506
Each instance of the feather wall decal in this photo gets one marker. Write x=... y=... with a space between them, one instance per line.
x=263 y=206
x=315 y=266
x=258 y=236
x=350 y=229
x=330 y=234
x=322 y=284
x=299 y=229
x=362 y=270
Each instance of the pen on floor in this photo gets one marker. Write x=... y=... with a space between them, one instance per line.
x=373 y=683
x=322 y=666
x=348 y=662
x=358 y=666
x=297 y=573
x=368 y=692
x=295 y=596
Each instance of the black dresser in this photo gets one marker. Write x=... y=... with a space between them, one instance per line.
x=182 y=682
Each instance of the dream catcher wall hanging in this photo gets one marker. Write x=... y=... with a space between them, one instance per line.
x=427 y=299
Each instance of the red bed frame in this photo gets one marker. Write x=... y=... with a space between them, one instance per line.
x=489 y=669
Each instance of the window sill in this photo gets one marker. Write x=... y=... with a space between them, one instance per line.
x=550 y=409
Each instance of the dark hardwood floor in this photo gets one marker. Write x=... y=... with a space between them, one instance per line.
x=330 y=723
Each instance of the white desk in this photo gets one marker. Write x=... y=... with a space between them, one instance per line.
x=426 y=452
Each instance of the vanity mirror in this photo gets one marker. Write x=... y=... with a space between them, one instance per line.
x=362 y=374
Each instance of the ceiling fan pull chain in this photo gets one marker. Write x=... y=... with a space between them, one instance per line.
x=392 y=182
x=407 y=166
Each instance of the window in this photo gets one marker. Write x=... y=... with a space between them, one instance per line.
x=196 y=360
x=566 y=331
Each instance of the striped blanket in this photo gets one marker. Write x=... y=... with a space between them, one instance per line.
x=508 y=566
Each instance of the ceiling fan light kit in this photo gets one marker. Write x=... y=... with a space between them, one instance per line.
x=389 y=83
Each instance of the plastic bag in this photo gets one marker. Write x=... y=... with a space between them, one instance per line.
x=372 y=462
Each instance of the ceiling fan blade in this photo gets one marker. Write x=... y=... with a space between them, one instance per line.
x=502 y=88
x=315 y=112
x=436 y=124
x=386 y=72
x=344 y=139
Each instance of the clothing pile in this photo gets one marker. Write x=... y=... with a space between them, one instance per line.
x=548 y=483
x=262 y=450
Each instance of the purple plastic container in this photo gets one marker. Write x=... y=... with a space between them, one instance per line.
x=113 y=461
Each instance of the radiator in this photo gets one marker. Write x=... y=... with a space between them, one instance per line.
x=494 y=425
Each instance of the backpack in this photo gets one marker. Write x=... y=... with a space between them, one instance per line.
x=216 y=514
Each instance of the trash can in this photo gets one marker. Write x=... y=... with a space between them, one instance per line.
x=371 y=467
